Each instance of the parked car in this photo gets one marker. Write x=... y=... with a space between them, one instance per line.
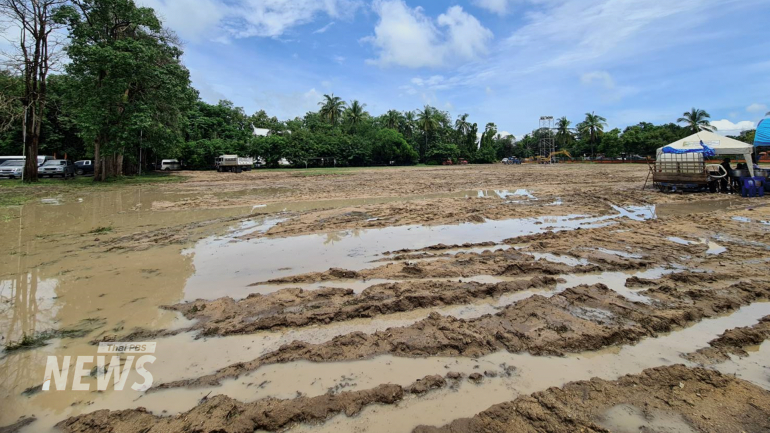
x=84 y=167
x=57 y=167
x=12 y=169
x=170 y=165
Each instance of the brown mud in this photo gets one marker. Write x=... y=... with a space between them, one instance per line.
x=581 y=319
x=672 y=398
x=223 y=414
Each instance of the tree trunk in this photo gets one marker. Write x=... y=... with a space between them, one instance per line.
x=98 y=165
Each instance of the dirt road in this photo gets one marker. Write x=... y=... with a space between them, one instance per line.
x=474 y=298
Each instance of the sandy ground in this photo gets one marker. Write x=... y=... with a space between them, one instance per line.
x=474 y=298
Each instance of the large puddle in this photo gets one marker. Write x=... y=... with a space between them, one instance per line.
x=226 y=266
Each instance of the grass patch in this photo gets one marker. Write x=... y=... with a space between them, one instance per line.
x=12 y=199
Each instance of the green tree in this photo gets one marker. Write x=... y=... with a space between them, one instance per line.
x=355 y=114
x=592 y=127
x=128 y=84
x=442 y=152
x=564 y=133
x=428 y=123
x=392 y=119
x=697 y=120
x=390 y=147
x=332 y=108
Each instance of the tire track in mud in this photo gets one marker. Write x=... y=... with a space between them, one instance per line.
x=675 y=397
x=580 y=319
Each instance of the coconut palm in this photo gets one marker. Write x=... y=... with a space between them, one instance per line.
x=355 y=113
x=697 y=120
x=332 y=108
x=563 y=131
x=408 y=124
x=392 y=119
x=462 y=125
x=593 y=127
x=428 y=122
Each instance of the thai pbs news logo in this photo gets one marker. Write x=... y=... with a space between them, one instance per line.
x=107 y=368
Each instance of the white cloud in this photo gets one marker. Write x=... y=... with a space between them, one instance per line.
x=500 y=7
x=406 y=37
x=191 y=19
x=324 y=28
x=224 y=19
x=271 y=18
x=726 y=127
x=603 y=77
x=757 y=108
x=339 y=59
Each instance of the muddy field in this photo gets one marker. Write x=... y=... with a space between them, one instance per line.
x=458 y=299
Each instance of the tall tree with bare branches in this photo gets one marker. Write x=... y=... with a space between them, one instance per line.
x=35 y=54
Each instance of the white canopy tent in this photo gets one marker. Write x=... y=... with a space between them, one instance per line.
x=721 y=145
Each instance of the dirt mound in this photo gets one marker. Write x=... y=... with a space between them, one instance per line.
x=661 y=399
x=223 y=414
x=296 y=307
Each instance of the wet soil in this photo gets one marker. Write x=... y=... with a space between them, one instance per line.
x=661 y=399
x=221 y=413
x=580 y=319
x=260 y=285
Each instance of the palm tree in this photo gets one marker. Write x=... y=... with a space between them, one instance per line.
x=409 y=123
x=697 y=120
x=462 y=125
x=392 y=119
x=355 y=114
x=332 y=108
x=428 y=122
x=593 y=127
x=563 y=131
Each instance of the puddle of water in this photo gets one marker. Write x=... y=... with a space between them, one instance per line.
x=680 y=241
x=753 y=368
x=249 y=261
x=624 y=254
x=553 y=258
x=626 y=418
x=714 y=249
x=741 y=219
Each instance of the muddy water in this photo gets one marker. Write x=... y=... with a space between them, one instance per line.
x=54 y=274
x=245 y=262
x=626 y=418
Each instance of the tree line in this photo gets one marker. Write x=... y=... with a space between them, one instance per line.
x=125 y=100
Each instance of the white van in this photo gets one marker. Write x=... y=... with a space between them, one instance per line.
x=170 y=165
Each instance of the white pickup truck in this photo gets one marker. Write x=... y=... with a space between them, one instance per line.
x=233 y=163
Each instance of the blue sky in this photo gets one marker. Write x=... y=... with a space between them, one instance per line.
x=504 y=61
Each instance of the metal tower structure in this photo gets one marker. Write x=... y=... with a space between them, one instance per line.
x=547 y=139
